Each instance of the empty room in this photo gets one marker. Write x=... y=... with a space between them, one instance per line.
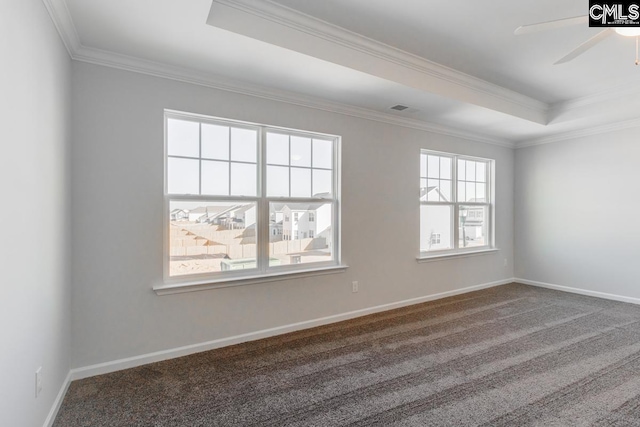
x=320 y=213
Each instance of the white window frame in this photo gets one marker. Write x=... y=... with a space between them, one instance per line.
x=489 y=206
x=262 y=270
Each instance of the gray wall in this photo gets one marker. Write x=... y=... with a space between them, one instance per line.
x=34 y=313
x=576 y=213
x=118 y=220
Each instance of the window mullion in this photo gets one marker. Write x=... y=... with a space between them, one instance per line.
x=456 y=214
x=289 y=163
x=262 y=234
x=199 y=158
x=229 y=161
x=488 y=179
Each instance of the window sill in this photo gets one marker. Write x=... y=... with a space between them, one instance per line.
x=440 y=257
x=177 y=288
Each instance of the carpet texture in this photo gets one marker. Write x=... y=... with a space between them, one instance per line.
x=513 y=355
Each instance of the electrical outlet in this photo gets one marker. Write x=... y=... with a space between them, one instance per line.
x=354 y=286
x=38 y=381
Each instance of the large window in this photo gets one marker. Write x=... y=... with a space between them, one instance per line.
x=456 y=207
x=248 y=200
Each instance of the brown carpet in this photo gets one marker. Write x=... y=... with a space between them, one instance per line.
x=513 y=355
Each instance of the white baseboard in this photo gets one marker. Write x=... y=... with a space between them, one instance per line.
x=58 y=402
x=132 y=362
x=596 y=294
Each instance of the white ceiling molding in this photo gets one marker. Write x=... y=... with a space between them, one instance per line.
x=64 y=24
x=279 y=25
x=137 y=65
x=61 y=18
x=612 y=95
x=581 y=133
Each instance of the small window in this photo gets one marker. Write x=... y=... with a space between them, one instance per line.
x=312 y=217
x=311 y=234
x=295 y=216
x=455 y=202
x=435 y=239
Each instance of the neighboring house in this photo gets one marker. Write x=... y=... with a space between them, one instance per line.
x=276 y=219
x=306 y=221
x=230 y=217
x=179 y=215
x=474 y=224
x=205 y=213
x=432 y=194
x=438 y=236
x=238 y=217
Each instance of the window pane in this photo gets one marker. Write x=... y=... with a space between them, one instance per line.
x=277 y=181
x=461 y=170
x=481 y=172
x=305 y=240
x=209 y=237
x=473 y=226
x=433 y=166
x=461 y=192
x=471 y=171
x=300 y=182
x=300 y=151
x=322 y=182
x=277 y=149
x=243 y=179
x=215 y=178
x=481 y=193
x=445 y=168
x=215 y=142
x=423 y=190
x=423 y=165
x=470 y=191
x=435 y=228
x=445 y=190
x=183 y=138
x=433 y=191
x=244 y=145
x=183 y=176
x=322 y=154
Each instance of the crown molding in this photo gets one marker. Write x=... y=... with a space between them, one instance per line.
x=603 y=97
x=581 y=133
x=63 y=22
x=333 y=42
x=137 y=65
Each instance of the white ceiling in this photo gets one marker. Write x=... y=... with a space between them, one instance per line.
x=496 y=73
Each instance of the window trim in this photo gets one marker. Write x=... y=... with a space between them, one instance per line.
x=262 y=270
x=455 y=209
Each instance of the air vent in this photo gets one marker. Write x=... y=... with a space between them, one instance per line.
x=399 y=107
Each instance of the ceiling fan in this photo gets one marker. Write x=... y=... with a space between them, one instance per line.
x=566 y=22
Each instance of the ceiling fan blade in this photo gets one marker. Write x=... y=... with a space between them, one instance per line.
x=551 y=25
x=585 y=46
